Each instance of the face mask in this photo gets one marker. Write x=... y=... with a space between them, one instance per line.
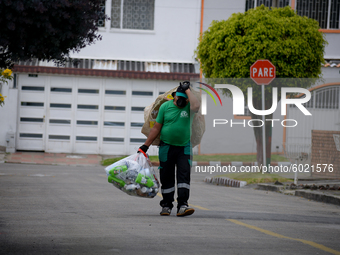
x=181 y=102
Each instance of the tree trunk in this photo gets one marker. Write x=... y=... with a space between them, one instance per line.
x=258 y=138
x=269 y=139
x=258 y=131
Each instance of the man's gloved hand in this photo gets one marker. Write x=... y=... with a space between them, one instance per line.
x=143 y=148
x=184 y=85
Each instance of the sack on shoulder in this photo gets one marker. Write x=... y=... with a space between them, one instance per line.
x=151 y=112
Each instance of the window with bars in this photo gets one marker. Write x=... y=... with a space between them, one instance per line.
x=324 y=98
x=132 y=14
x=326 y=12
x=250 y=4
x=101 y=22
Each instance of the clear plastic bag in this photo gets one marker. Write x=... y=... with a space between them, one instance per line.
x=134 y=175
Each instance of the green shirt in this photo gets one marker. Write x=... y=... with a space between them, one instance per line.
x=176 y=129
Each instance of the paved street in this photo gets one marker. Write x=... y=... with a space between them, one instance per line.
x=48 y=209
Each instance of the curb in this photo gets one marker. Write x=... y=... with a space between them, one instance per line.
x=276 y=188
x=312 y=195
x=225 y=182
x=232 y=163
x=331 y=199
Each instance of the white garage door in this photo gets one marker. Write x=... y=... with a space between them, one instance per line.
x=64 y=114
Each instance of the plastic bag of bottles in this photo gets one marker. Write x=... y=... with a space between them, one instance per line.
x=134 y=175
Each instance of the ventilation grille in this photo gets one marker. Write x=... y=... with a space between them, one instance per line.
x=117 y=65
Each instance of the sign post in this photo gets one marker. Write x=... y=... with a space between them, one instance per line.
x=263 y=72
x=264 y=129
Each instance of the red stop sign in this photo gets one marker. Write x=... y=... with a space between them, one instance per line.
x=262 y=72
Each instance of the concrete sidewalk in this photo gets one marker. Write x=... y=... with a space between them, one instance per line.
x=42 y=158
x=88 y=159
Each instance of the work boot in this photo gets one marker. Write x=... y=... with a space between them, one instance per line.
x=184 y=210
x=165 y=211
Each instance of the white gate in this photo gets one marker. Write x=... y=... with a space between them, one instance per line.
x=324 y=106
x=32 y=113
x=64 y=114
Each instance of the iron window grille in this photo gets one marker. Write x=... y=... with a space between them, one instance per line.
x=326 y=12
x=324 y=98
x=132 y=14
x=250 y=4
x=101 y=22
x=124 y=65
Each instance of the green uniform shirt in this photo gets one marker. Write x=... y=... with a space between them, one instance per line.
x=176 y=129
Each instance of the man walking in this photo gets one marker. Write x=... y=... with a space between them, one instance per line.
x=174 y=123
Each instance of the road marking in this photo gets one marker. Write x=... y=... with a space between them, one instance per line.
x=316 y=245
x=199 y=207
x=195 y=206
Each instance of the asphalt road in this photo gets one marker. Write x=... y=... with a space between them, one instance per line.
x=73 y=210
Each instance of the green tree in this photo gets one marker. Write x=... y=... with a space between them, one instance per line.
x=291 y=42
x=46 y=29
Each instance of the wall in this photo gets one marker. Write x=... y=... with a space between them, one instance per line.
x=332 y=50
x=8 y=113
x=324 y=152
x=331 y=73
x=175 y=36
x=321 y=119
x=220 y=10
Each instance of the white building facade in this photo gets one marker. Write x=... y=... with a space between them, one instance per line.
x=95 y=104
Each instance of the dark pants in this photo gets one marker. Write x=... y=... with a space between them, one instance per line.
x=171 y=158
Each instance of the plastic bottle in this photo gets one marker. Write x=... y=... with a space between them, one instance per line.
x=118 y=169
x=142 y=179
x=112 y=179
x=131 y=187
x=146 y=190
x=146 y=171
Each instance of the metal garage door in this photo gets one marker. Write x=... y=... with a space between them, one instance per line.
x=83 y=114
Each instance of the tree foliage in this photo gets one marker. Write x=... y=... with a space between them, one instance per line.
x=46 y=29
x=291 y=42
x=5 y=76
